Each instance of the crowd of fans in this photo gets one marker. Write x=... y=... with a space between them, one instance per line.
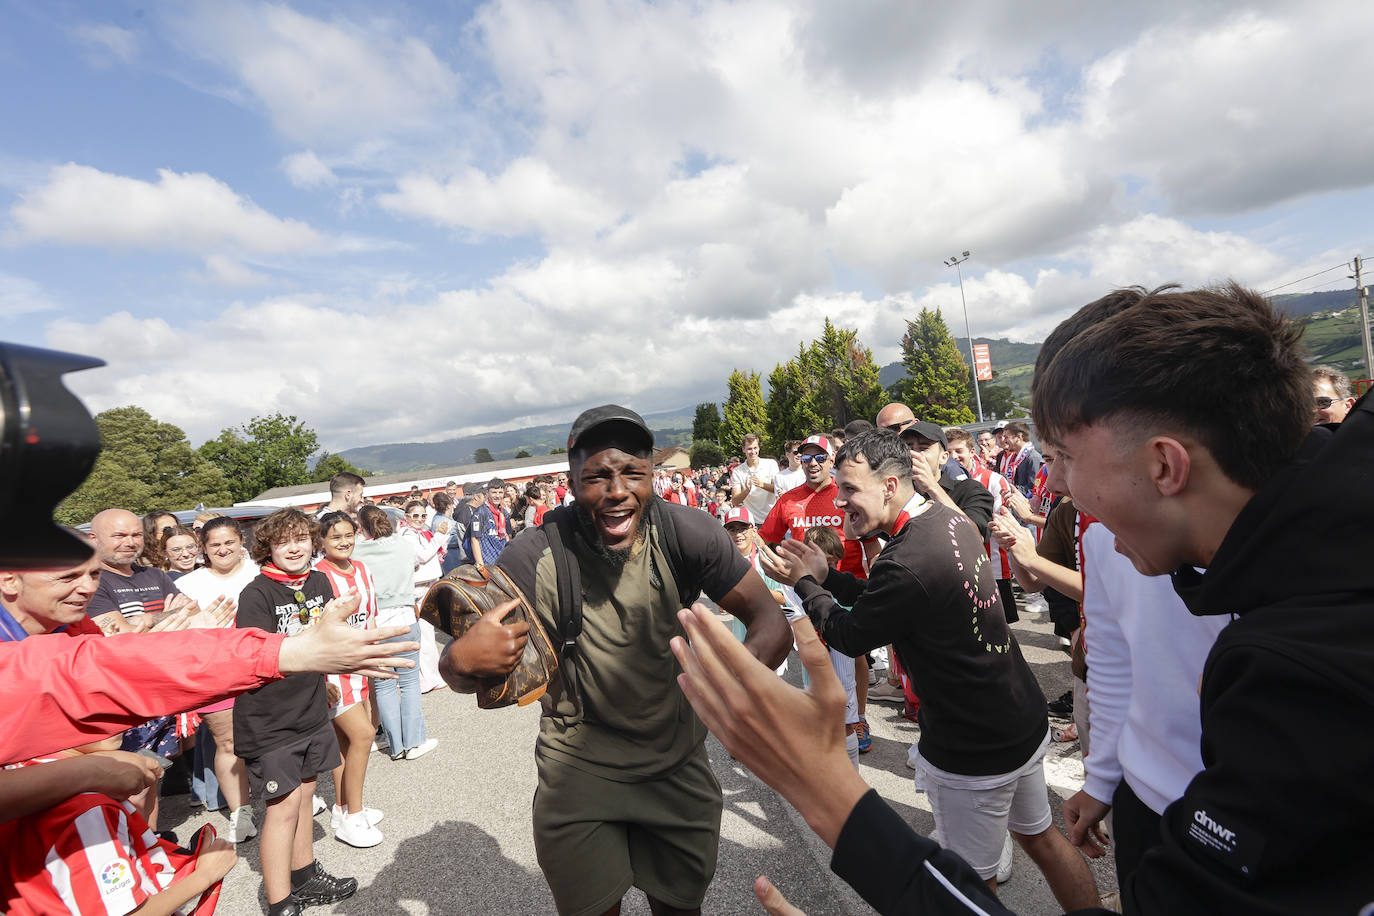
x=997 y=498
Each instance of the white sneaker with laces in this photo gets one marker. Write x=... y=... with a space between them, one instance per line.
x=337 y=815
x=241 y=826
x=356 y=831
x=420 y=750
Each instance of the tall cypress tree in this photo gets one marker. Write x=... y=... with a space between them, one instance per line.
x=843 y=377
x=743 y=411
x=937 y=387
x=791 y=411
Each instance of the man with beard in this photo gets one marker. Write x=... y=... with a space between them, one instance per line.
x=626 y=796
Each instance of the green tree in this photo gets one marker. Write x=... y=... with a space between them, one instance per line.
x=791 y=408
x=265 y=452
x=482 y=456
x=705 y=452
x=937 y=384
x=842 y=377
x=558 y=451
x=706 y=423
x=743 y=411
x=523 y=453
x=144 y=464
x=329 y=465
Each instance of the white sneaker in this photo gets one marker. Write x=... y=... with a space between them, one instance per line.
x=336 y=816
x=356 y=831
x=241 y=826
x=420 y=750
x=316 y=806
x=1004 y=863
x=887 y=692
x=1036 y=605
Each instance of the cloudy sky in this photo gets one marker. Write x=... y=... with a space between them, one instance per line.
x=457 y=217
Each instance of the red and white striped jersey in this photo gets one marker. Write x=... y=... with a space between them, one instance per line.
x=352 y=687
x=89 y=855
x=1000 y=488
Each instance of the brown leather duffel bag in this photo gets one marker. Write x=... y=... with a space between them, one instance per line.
x=458 y=600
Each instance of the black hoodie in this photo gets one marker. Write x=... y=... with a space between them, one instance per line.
x=1281 y=819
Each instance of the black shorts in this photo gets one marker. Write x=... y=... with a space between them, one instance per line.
x=282 y=769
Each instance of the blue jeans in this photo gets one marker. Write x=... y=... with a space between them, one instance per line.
x=204 y=785
x=398 y=701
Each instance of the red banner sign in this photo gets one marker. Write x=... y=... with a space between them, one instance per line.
x=982 y=362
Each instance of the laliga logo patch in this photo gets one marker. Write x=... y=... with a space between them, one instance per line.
x=116 y=876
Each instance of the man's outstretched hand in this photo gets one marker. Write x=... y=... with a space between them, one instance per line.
x=791 y=739
x=333 y=646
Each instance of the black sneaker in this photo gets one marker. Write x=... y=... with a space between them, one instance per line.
x=291 y=906
x=1061 y=708
x=323 y=887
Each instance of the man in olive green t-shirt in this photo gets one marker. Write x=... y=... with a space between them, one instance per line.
x=626 y=796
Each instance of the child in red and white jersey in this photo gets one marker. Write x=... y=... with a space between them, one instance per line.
x=353 y=823
x=92 y=854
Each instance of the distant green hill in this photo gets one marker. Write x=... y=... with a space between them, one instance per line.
x=672 y=427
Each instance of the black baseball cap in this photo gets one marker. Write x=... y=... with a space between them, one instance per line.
x=926 y=430
x=597 y=417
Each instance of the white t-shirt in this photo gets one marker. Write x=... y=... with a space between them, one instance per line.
x=758 y=500
x=204 y=586
x=788 y=480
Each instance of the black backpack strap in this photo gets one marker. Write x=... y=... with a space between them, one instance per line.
x=661 y=517
x=557 y=527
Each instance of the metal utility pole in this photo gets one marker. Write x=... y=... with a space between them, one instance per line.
x=1363 y=293
x=954 y=261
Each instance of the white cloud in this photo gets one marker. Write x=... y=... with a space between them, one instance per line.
x=323 y=82
x=179 y=212
x=106 y=41
x=226 y=271
x=307 y=170
x=1249 y=111
x=21 y=296
x=527 y=197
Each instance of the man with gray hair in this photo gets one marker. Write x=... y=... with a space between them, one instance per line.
x=1332 y=395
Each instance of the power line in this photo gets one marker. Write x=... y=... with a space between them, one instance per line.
x=1343 y=264
x=1315 y=289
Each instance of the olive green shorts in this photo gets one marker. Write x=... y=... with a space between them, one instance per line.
x=595 y=838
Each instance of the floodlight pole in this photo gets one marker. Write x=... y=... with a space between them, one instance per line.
x=955 y=261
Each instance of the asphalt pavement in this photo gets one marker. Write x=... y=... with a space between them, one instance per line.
x=458 y=836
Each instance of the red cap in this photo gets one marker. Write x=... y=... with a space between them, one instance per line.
x=740 y=515
x=821 y=441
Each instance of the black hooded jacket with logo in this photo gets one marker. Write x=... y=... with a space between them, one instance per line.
x=1281 y=819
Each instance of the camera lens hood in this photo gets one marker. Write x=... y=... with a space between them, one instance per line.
x=48 y=444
